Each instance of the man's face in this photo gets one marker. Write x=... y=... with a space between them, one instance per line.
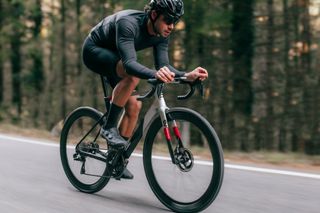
x=164 y=26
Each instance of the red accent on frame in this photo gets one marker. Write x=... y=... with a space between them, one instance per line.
x=176 y=132
x=167 y=133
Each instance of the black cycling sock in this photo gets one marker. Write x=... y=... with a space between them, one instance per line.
x=113 y=116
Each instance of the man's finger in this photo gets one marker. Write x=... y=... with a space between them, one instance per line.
x=169 y=74
x=201 y=70
x=160 y=76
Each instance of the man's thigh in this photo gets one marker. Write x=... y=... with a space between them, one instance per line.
x=102 y=61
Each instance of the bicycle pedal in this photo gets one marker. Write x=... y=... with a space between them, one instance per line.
x=117 y=146
x=121 y=177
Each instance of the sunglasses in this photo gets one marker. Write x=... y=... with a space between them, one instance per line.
x=171 y=20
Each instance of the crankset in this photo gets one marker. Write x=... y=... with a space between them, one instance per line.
x=183 y=158
x=116 y=163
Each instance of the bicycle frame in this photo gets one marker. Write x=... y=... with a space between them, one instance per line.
x=158 y=107
x=157 y=118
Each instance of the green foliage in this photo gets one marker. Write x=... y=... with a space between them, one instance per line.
x=136 y=5
x=219 y=19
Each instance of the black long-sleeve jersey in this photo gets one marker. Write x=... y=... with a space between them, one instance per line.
x=126 y=32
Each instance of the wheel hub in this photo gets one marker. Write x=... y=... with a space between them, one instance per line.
x=184 y=159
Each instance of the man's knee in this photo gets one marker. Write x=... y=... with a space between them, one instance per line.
x=132 y=80
x=129 y=79
x=133 y=106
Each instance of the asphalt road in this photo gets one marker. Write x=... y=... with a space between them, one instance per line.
x=32 y=180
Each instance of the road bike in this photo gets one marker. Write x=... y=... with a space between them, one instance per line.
x=182 y=154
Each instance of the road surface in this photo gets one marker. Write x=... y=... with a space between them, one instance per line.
x=32 y=180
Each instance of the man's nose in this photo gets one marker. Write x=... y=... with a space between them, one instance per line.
x=171 y=26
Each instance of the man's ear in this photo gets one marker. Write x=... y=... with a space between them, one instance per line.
x=153 y=15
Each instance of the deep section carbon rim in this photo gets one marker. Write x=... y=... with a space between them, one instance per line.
x=85 y=173
x=181 y=186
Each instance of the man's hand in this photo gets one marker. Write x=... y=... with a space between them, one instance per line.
x=165 y=75
x=198 y=73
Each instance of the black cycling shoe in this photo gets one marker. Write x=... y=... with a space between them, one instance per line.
x=113 y=137
x=126 y=175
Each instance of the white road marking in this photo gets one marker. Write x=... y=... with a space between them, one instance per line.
x=205 y=163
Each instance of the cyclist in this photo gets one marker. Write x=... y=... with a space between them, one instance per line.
x=110 y=50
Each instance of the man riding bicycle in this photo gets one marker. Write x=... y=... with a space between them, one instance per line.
x=110 y=50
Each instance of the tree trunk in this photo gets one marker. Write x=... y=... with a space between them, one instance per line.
x=79 y=37
x=80 y=74
x=284 y=146
x=298 y=78
x=268 y=80
x=50 y=81
x=315 y=138
x=242 y=48
x=37 y=55
x=226 y=117
x=1 y=52
x=309 y=97
x=15 y=57
x=63 y=106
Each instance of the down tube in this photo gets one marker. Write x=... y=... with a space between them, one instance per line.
x=142 y=128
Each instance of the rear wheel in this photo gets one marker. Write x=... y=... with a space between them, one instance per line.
x=192 y=180
x=87 y=174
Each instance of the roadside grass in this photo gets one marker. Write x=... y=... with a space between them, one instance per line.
x=28 y=132
x=295 y=160
x=276 y=159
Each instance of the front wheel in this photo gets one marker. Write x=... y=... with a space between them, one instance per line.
x=189 y=179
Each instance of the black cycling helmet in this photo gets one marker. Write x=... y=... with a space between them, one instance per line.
x=171 y=9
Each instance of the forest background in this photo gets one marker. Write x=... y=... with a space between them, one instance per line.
x=263 y=59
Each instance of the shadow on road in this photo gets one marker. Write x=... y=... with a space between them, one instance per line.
x=123 y=199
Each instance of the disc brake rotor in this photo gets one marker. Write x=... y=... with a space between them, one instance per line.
x=184 y=159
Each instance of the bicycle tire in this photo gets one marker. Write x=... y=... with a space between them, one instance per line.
x=214 y=184
x=92 y=116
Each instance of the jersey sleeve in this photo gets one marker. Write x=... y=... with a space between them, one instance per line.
x=125 y=33
x=161 y=58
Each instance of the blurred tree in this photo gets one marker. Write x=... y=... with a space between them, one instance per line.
x=310 y=95
x=79 y=40
x=284 y=144
x=268 y=79
x=36 y=76
x=1 y=51
x=242 y=48
x=63 y=58
x=78 y=35
x=49 y=98
x=17 y=11
x=297 y=111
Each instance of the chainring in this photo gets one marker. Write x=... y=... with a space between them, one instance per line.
x=115 y=163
